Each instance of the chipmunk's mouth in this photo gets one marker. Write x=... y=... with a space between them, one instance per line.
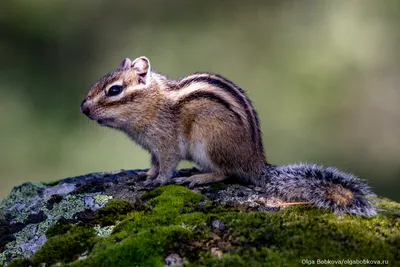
x=104 y=121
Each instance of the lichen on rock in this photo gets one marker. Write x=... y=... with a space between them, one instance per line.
x=112 y=219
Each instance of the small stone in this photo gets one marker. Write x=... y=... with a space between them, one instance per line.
x=173 y=260
x=216 y=252
x=218 y=225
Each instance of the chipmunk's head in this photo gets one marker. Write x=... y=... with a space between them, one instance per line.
x=119 y=95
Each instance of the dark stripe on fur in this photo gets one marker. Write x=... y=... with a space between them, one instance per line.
x=209 y=96
x=231 y=89
x=100 y=85
x=126 y=99
x=255 y=114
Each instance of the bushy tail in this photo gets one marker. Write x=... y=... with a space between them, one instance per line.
x=327 y=188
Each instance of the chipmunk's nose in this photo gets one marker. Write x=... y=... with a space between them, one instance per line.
x=84 y=108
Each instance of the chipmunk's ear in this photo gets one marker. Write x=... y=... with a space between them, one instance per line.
x=125 y=64
x=141 y=66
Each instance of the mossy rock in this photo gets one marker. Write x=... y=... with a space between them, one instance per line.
x=125 y=224
x=174 y=223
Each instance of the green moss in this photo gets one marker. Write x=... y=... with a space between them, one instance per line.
x=285 y=238
x=384 y=203
x=67 y=247
x=168 y=204
x=245 y=257
x=174 y=198
x=113 y=211
x=58 y=229
x=146 y=248
x=21 y=263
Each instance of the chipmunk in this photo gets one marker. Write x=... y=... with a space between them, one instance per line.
x=207 y=119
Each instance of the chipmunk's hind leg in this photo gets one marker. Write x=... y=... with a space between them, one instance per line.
x=199 y=179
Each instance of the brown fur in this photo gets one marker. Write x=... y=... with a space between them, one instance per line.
x=339 y=195
x=236 y=92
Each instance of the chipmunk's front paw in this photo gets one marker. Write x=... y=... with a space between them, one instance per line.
x=148 y=175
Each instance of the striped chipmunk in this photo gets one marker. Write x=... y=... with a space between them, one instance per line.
x=207 y=119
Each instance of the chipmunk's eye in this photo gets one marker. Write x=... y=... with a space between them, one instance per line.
x=114 y=90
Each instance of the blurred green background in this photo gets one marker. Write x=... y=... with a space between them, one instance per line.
x=324 y=77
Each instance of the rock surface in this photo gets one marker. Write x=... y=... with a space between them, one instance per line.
x=112 y=219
